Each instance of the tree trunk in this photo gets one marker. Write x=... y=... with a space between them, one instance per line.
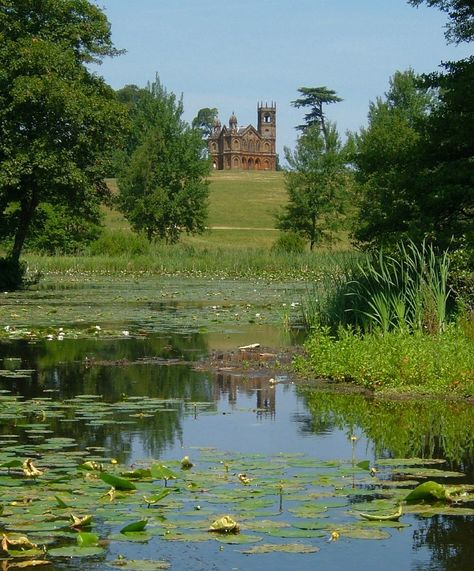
x=27 y=210
x=313 y=232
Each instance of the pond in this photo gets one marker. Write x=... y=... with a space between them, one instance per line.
x=103 y=388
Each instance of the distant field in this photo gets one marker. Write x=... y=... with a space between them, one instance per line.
x=242 y=205
x=242 y=208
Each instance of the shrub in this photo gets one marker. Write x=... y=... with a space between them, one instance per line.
x=120 y=244
x=58 y=231
x=289 y=243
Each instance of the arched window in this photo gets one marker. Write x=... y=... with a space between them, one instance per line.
x=236 y=162
x=236 y=144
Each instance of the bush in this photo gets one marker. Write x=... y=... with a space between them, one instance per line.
x=12 y=274
x=58 y=231
x=289 y=243
x=440 y=363
x=120 y=244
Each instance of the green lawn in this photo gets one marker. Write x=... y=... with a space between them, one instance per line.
x=242 y=206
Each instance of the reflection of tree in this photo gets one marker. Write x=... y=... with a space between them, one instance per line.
x=449 y=540
x=401 y=428
x=117 y=370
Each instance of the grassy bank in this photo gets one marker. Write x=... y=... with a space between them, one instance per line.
x=394 y=362
x=393 y=324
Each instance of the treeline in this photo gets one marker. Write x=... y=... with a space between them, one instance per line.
x=407 y=175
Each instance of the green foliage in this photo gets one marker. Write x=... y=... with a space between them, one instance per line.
x=290 y=243
x=315 y=98
x=204 y=120
x=386 y=160
x=56 y=230
x=460 y=28
x=57 y=119
x=316 y=184
x=163 y=192
x=116 y=243
x=441 y=363
x=12 y=274
x=407 y=291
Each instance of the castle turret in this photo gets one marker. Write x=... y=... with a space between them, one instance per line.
x=267 y=120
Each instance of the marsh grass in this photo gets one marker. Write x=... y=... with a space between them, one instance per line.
x=406 y=291
x=139 y=258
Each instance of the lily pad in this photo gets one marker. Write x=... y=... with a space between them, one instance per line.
x=281 y=548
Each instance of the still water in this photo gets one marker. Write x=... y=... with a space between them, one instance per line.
x=210 y=412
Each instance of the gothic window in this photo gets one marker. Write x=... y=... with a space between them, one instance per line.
x=252 y=146
x=267 y=147
x=236 y=144
x=267 y=118
x=236 y=162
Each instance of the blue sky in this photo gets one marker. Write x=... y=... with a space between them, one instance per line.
x=230 y=55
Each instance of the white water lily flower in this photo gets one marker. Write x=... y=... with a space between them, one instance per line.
x=98 y=328
x=7 y=328
x=125 y=333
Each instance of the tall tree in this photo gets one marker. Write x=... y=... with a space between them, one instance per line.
x=315 y=98
x=387 y=163
x=57 y=119
x=205 y=120
x=163 y=191
x=460 y=27
x=315 y=182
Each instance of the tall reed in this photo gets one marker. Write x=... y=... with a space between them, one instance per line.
x=406 y=291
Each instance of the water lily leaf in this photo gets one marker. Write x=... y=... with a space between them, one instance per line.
x=364 y=465
x=117 y=482
x=161 y=472
x=61 y=503
x=135 y=526
x=76 y=551
x=138 y=564
x=131 y=536
x=365 y=532
x=281 y=548
x=374 y=516
x=296 y=533
x=428 y=491
x=85 y=539
x=155 y=498
x=237 y=539
x=11 y=464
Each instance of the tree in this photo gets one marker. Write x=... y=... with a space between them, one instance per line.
x=204 y=121
x=460 y=28
x=387 y=163
x=315 y=98
x=57 y=119
x=163 y=191
x=315 y=183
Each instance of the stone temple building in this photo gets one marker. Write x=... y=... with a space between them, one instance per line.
x=245 y=148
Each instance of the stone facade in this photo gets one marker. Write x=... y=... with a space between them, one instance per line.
x=245 y=148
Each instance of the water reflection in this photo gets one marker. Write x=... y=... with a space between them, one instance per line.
x=232 y=410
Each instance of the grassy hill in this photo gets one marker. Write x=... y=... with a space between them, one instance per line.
x=242 y=205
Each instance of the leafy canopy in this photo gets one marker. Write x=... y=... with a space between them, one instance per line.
x=460 y=27
x=163 y=191
x=315 y=183
x=57 y=120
